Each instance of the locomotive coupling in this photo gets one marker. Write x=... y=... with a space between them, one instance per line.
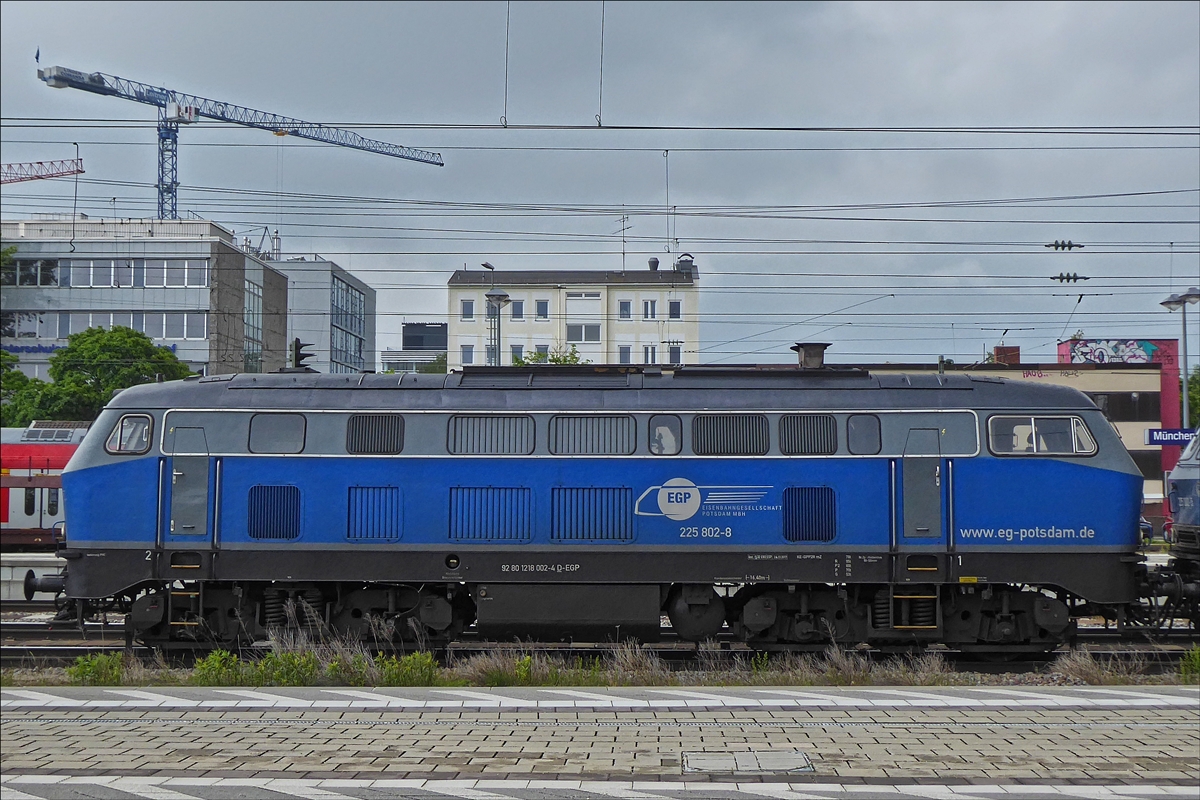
x=53 y=584
x=1173 y=586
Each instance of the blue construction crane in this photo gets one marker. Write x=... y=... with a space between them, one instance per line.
x=176 y=108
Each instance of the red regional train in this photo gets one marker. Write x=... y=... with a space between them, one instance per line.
x=31 y=464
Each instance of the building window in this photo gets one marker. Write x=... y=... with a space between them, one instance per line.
x=348 y=313
x=252 y=321
x=649 y=309
x=43 y=272
x=174 y=326
x=518 y=309
x=542 y=309
x=625 y=309
x=649 y=354
x=489 y=356
x=626 y=354
x=583 y=333
x=176 y=272
x=675 y=309
x=542 y=349
x=518 y=353
x=468 y=354
x=675 y=354
x=468 y=309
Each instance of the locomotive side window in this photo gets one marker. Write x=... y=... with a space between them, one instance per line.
x=592 y=435
x=1040 y=436
x=375 y=434
x=491 y=436
x=277 y=433
x=731 y=435
x=808 y=435
x=666 y=435
x=130 y=437
x=52 y=502
x=862 y=435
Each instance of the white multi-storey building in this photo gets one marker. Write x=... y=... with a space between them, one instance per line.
x=184 y=283
x=621 y=317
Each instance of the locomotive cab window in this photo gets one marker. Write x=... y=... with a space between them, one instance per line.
x=1040 y=436
x=277 y=433
x=666 y=435
x=131 y=436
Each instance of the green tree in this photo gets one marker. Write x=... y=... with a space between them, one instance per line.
x=558 y=355
x=94 y=364
x=435 y=367
x=12 y=381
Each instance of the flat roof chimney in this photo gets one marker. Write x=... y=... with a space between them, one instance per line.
x=812 y=354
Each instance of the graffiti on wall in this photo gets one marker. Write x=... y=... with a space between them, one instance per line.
x=1112 y=351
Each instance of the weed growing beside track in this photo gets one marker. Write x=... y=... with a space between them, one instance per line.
x=308 y=663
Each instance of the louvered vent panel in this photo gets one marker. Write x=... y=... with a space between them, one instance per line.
x=491 y=435
x=607 y=436
x=375 y=434
x=274 y=512
x=809 y=514
x=808 y=435
x=375 y=513
x=731 y=435
x=592 y=515
x=490 y=513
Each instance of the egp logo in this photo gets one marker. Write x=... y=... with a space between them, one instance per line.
x=679 y=499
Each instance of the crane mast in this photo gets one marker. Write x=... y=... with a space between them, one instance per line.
x=176 y=108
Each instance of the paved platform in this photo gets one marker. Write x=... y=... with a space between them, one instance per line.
x=569 y=743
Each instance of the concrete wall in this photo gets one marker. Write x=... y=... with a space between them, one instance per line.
x=226 y=330
x=275 y=307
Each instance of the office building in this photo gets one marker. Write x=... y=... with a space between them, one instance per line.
x=333 y=311
x=184 y=283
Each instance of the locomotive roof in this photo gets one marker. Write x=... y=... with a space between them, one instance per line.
x=604 y=388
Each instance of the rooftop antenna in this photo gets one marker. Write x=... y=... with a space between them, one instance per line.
x=623 y=221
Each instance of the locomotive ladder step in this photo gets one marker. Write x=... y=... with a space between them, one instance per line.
x=914 y=597
x=909 y=627
x=185 y=623
x=923 y=569
x=185 y=594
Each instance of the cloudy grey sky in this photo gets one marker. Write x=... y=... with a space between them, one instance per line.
x=894 y=244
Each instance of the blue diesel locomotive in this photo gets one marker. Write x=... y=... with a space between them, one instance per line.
x=787 y=507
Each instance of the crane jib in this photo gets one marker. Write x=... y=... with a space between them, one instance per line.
x=191 y=106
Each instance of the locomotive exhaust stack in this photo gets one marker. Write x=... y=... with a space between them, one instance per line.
x=812 y=354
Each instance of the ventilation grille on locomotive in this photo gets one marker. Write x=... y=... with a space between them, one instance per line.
x=491 y=435
x=809 y=514
x=490 y=513
x=808 y=435
x=375 y=434
x=591 y=515
x=609 y=436
x=274 y=512
x=731 y=435
x=375 y=513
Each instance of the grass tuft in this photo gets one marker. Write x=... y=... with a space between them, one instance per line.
x=1189 y=666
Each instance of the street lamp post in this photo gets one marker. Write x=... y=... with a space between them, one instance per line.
x=496 y=300
x=1181 y=302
